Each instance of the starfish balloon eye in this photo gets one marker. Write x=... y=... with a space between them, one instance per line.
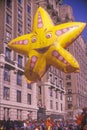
x=34 y=39
x=48 y=35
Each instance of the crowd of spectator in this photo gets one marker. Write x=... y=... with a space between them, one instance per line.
x=38 y=125
x=47 y=124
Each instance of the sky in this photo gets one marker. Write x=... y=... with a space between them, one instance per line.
x=79 y=12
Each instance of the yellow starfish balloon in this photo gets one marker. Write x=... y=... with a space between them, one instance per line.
x=45 y=46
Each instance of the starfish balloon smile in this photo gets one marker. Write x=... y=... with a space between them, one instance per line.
x=46 y=45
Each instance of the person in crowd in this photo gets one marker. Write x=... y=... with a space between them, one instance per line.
x=84 y=119
x=9 y=125
x=48 y=123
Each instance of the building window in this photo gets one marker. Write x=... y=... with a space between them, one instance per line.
x=18 y=96
x=61 y=107
x=8 y=19
x=56 y=94
x=29 y=22
x=8 y=35
x=69 y=106
x=19 y=61
x=61 y=96
x=39 y=90
x=56 y=82
x=6 y=93
x=68 y=77
x=19 y=14
x=51 y=92
x=69 y=98
x=19 y=79
x=19 y=28
x=29 y=99
x=7 y=53
x=51 y=78
x=20 y=1
x=60 y=82
x=28 y=9
x=7 y=74
x=29 y=86
x=51 y=104
x=68 y=84
x=69 y=91
x=9 y=3
x=28 y=30
x=56 y=105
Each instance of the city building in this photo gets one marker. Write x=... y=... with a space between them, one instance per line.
x=18 y=99
x=56 y=94
x=75 y=83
